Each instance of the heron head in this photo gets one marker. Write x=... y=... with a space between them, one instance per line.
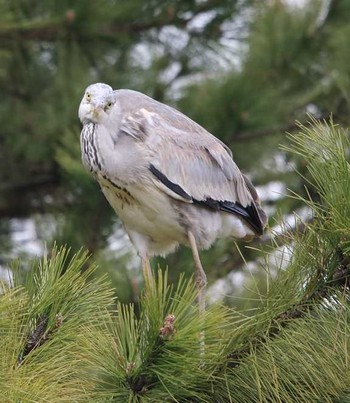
x=96 y=104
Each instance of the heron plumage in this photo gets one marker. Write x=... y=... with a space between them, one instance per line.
x=179 y=177
x=190 y=158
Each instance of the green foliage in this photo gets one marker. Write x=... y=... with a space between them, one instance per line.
x=326 y=148
x=58 y=329
x=300 y=348
x=41 y=327
x=148 y=363
x=307 y=362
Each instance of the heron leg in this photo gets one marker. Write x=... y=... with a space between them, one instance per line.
x=200 y=277
x=147 y=272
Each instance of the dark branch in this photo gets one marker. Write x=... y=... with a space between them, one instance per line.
x=36 y=338
x=50 y=31
x=39 y=335
x=255 y=134
x=269 y=131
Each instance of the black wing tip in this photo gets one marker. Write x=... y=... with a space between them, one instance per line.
x=249 y=214
x=255 y=220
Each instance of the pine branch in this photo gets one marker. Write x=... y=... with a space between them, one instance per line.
x=322 y=250
x=41 y=325
x=256 y=134
x=56 y=29
x=51 y=31
x=270 y=131
x=329 y=283
x=157 y=355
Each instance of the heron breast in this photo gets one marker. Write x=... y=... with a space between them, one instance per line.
x=118 y=192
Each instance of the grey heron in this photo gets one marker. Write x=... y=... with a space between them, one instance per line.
x=169 y=180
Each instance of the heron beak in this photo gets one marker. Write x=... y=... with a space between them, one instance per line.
x=96 y=112
x=97 y=109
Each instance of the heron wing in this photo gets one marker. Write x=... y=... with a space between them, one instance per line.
x=190 y=164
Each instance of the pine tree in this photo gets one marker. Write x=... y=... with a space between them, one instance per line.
x=245 y=70
x=62 y=330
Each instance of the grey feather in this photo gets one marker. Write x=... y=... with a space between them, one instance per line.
x=163 y=173
x=186 y=153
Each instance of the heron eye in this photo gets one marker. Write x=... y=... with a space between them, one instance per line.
x=88 y=97
x=108 y=106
